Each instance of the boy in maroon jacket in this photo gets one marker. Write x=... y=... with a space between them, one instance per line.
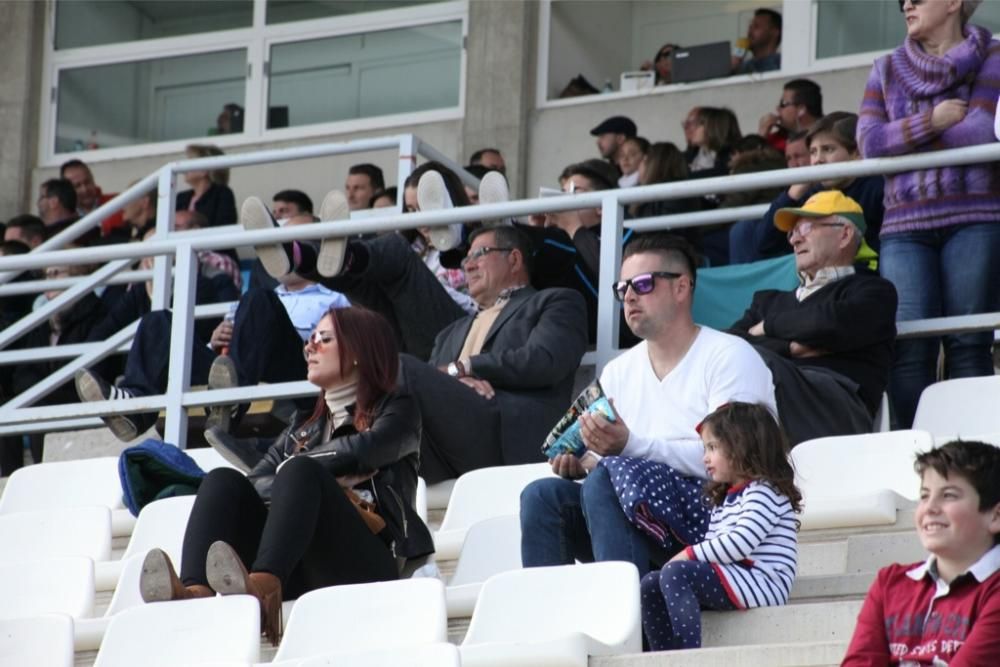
x=946 y=610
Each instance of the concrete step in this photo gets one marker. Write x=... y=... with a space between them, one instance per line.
x=865 y=552
x=797 y=623
x=904 y=522
x=831 y=587
x=817 y=654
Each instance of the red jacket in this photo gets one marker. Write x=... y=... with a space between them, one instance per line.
x=910 y=617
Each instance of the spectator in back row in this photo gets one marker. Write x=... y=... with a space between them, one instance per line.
x=763 y=52
x=491 y=158
x=796 y=150
x=209 y=194
x=630 y=155
x=940 y=240
x=363 y=181
x=800 y=106
x=89 y=197
x=611 y=135
x=662 y=64
x=830 y=140
x=57 y=204
x=27 y=229
x=290 y=203
x=714 y=134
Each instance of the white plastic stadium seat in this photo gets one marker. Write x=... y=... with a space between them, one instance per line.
x=440 y=654
x=53 y=533
x=224 y=629
x=439 y=494
x=384 y=615
x=47 y=586
x=483 y=494
x=491 y=547
x=967 y=407
x=42 y=640
x=208 y=459
x=857 y=480
x=555 y=616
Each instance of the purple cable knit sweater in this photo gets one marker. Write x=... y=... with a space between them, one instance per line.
x=895 y=119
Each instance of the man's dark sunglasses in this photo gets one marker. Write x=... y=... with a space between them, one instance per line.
x=913 y=2
x=642 y=283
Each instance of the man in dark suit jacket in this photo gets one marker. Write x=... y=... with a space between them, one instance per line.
x=498 y=381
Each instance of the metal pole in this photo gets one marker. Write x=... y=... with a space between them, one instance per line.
x=181 y=335
x=612 y=217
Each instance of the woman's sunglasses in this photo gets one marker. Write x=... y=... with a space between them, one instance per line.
x=915 y=3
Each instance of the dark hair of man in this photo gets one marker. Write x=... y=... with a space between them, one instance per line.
x=798 y=135
x=392 y=193
x=841 y=125
x=977 y=462
x=479 y=170
x=773 y=15
x=665 y=163
x=451 y=181
x=506 y=236
x=667 y=245
x=722 y=129
x=808 y=94
x=598 y=172
x=13 y=248
x=373 y=173
x=31 y=226
x=297 y=197
x=750 y=142
x=477 y=157
x=63 y=190
x=69 y=164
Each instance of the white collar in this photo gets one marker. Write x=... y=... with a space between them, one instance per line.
x=982 y=569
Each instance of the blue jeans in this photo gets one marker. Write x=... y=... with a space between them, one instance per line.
x=940 y=273
x=563 y=521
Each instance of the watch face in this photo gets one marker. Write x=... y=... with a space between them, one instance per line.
x=453 y=369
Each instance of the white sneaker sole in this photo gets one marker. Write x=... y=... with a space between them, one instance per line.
x=254 y=215
x=332 y=249
x=432 y=195
x=88 y=388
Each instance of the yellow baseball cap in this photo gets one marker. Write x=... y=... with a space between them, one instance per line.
x=821 y=205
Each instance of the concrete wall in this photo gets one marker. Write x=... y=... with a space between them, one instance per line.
x=560 y=135
x=21 y=29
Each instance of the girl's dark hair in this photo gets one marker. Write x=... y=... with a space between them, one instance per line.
x=451 y=181
x=840 y=125
x=756 y=447
x=722 y=129
x=365 y=339
x=665 y=163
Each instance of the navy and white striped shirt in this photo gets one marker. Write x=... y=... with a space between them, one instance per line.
x=752 y=546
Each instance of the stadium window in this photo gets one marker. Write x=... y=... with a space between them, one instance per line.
x=846 y=27
x=130 y=77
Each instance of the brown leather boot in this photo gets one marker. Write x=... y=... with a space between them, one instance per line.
x=159 y=583
x=227 y=575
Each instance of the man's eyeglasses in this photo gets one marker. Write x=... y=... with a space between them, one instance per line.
x=479 y=253
x=915 y=3
x=805 y=226
x=785 y=103
x=642 y=283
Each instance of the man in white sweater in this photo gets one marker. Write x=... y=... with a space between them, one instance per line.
x=661 y=389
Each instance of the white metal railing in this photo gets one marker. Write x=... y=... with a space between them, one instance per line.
x=16 y=418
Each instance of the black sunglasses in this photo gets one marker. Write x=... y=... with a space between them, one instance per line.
x=642 y=283
x=915 y=3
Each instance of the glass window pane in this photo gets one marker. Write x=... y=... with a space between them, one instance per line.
x=93 y=22
x=860 y=26
x=283 y=11
x=152 y=100
x=364 y=75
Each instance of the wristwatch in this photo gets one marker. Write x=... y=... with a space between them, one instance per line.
x=455 y=369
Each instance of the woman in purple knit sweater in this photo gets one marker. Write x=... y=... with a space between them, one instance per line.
x=940 y=233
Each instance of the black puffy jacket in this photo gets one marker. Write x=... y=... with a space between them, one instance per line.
x=390 y=448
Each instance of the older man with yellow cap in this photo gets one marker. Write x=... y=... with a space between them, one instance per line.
x=829 y=342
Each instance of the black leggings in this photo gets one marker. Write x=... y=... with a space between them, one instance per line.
x=310 y=537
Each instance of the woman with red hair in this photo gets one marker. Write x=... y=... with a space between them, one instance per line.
x=293 y=524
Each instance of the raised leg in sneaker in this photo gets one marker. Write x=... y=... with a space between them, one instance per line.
x=276 y=257
x=222 y=375
x=432 y=195
x=241 y=452
x=332 y=249
x=91 y=387
x=493 y=190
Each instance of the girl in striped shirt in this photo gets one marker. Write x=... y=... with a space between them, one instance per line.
x=749 y=553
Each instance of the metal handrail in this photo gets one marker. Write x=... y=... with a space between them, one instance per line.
x=612 y=203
